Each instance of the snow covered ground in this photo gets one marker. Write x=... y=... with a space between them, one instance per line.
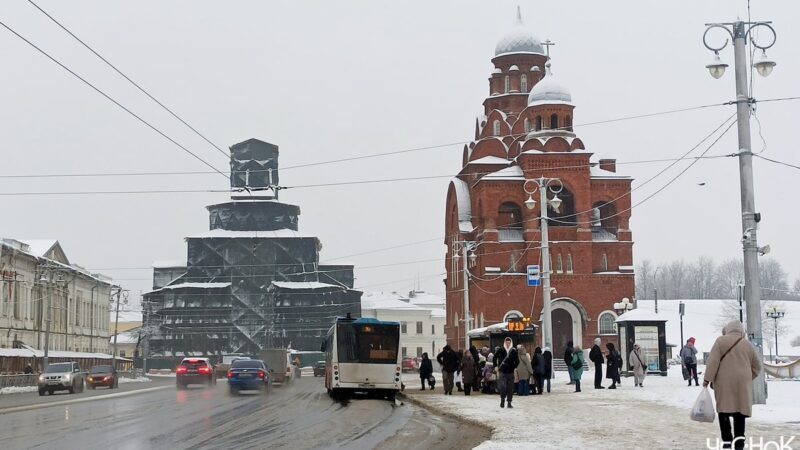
x=135 y=380
x=656 y=416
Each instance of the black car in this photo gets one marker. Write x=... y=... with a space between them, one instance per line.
x=319 y=369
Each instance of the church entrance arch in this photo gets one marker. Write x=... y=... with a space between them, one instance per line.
x=569 y=319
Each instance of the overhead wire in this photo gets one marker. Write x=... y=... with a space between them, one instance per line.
x=111 y=99
x=135 y=84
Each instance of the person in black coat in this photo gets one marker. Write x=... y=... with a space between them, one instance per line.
x=596 y=357
x=499 y=355
x=425 y=371
x=568 y=361
x=448 y=359
x=538 y=371
x=613 y=360
x=507 y=367
x=475 y=357
x=548 y=366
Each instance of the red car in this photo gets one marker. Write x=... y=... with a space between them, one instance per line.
x=410 y=364
x=102 y=376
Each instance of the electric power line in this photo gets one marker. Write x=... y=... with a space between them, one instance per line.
x=111 y=99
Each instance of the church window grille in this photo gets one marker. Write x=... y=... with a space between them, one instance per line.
x=559 y=264
x=527 y=125
x=507 y=84
x=496 y=128
x=523 y=82
x=569 y=263
x=605 y=263
x=606 y=323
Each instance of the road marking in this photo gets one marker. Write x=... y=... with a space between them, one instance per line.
x=81 y=400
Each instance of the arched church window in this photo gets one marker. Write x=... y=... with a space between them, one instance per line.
x=538 y=123
x=508 y=84
x=565 y=216
x=523 y=83
x=559 y=264
x=604 y=220
x=513 y=314
x=604 y=263
x=606 y=323
x=509 y=216
x=496 y=128
x=553 y=121
x=569 y=263
x=568 y=123
x=527 y=125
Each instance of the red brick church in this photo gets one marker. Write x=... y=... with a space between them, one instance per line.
x=525 y=132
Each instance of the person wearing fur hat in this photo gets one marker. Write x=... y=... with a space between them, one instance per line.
x=688 y=357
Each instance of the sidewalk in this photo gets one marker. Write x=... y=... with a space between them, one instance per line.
x=626 y=418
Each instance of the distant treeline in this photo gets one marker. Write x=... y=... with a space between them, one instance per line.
x=704 y=278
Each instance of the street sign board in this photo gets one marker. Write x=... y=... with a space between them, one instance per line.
x=533 y=276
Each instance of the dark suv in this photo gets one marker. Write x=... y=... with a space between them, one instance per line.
x=194 y=371
x=319 y=369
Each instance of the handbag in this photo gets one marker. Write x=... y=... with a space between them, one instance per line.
x=703 y=409
x=577 y=364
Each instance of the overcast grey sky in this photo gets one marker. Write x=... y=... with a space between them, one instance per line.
x=329 y=80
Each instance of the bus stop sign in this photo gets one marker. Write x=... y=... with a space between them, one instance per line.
x=533 y=276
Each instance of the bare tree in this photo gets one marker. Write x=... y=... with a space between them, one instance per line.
x=643 y=274
x=796 y=341
x=702 y=277
x=728 y=277
x=730 y=312
x=677 y=279
x=773 y=279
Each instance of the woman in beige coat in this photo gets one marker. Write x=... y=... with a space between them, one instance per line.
x=636 y=360
x=730 y=369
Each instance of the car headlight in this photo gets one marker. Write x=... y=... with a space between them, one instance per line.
x=68 y=376
x=41 y=377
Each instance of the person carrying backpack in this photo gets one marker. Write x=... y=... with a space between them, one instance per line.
x=577 y=366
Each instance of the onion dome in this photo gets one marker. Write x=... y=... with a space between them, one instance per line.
x=518 y=40
x=548 y=90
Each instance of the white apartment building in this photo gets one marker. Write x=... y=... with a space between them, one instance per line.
x=421 y=317
x=36 y=275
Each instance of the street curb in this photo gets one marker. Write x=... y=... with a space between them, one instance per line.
x=441 y=412
x=14 y=409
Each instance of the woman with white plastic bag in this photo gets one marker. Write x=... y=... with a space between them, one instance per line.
x=731 y=367
x=703 y=409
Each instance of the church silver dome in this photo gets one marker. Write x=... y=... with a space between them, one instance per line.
x=518 y=40
x=549 y=90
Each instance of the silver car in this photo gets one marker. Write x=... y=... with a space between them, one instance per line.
x=66 y=376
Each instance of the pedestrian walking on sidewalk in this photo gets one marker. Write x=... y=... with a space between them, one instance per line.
x=596 y=357
x=425 y=371
x=613 y=365
x=507 y=367
x=577 y=366
x=548 y=366
x=476 y=357
x=568 y=352
x=500 y=354
x=448 y=359
x=538 y=371
x=732 y=366
x=688 y=357
x=468 y=372
x=636 y=360
x=458 y=377
x=524 y=371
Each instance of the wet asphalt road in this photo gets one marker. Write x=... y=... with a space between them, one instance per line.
x=298 y=416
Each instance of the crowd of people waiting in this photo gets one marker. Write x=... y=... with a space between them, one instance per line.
x=507 y=369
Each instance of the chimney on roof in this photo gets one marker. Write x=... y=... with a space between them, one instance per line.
x=609 y=165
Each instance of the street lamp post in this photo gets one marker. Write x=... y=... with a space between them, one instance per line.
x=555 y=186
x=739 y=32
x=681 y=312
x=655 y=288
x=775 y=313
x=468 y=250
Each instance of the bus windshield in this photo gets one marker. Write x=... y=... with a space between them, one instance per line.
x=368 y=343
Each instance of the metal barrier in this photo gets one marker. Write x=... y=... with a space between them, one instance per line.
x=18 y=380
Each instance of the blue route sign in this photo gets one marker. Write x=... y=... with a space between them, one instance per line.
x=533 y=276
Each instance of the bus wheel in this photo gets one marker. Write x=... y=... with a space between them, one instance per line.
x=390 y=396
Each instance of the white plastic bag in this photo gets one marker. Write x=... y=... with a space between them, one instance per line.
x=703 y=409
x=457 y=378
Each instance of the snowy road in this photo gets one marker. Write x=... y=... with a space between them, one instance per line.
x=299 y=416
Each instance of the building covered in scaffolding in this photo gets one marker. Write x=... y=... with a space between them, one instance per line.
x=253 y=281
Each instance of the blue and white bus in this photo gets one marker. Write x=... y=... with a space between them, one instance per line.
x=362 y=355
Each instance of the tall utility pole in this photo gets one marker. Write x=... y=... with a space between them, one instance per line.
x=45 y=360
x=655 y=289
x=739 y=31
x=740 y=297
x=466 y=297
x=116 y=327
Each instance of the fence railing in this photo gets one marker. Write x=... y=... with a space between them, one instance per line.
x=18 y=380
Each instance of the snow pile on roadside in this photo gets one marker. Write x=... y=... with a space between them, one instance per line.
x=17 y=389
x=135 y=380
x=161 y=375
